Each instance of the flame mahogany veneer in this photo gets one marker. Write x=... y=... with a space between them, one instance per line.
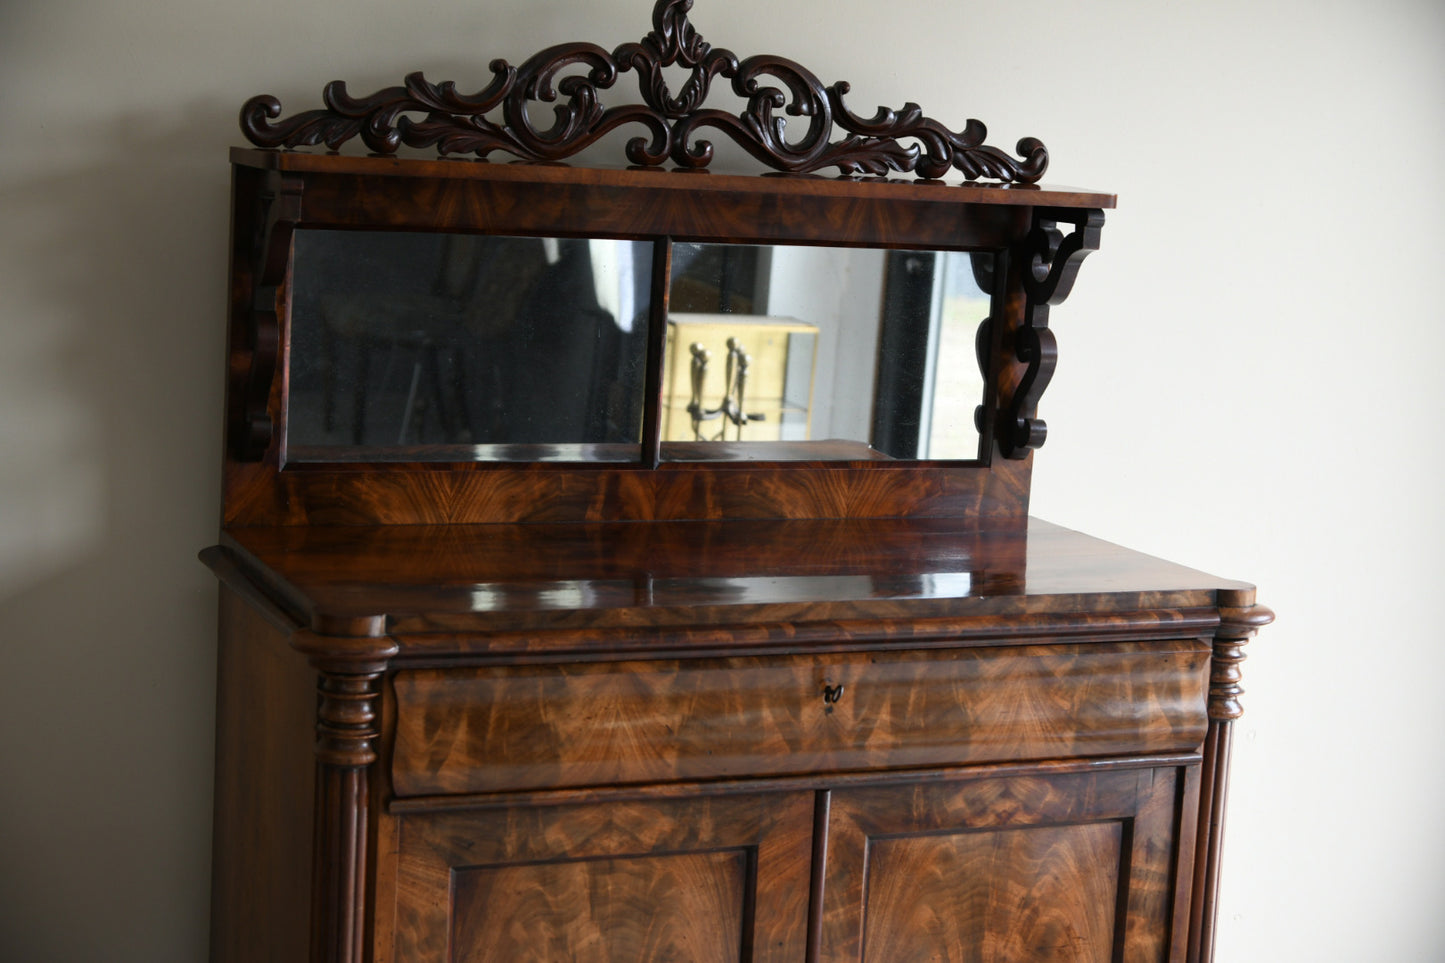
x=826 y=707
x=808 y=739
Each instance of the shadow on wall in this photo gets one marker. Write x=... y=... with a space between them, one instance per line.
x=110 y=384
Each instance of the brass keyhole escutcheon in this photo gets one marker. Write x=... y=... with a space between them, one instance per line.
x=831 y=695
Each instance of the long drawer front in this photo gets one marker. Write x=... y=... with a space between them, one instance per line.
x=481 y=730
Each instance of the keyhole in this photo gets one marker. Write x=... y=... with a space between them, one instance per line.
x=831 y=695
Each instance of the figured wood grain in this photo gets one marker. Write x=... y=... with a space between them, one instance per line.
x=531 y=727
x=389 y=494
x=1090 y=843
x=1024 y=195
x=1045 y=893
x=649 y=206
x=687 y=857
x=638 y=909
x=590 y=589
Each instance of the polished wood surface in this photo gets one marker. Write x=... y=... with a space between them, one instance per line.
x=709 y=877
x=771 y=704
x=962 y=897
x=673 y=907
x=1071 y=867
x=972 y=192
x=657 y=205
x=265 y=779
x=535 y=727
x=487 y=589
x=449 y=494
x=972 y=785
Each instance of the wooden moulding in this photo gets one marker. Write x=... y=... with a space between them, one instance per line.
x=510 y=592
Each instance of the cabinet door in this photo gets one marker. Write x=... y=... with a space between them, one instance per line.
x=712 y=880
x=1076 y=867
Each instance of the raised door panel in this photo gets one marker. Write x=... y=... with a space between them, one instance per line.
x=723 y=878
x=686 y=906
x=1065 y=868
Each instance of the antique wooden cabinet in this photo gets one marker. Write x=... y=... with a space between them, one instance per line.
x=506 y=674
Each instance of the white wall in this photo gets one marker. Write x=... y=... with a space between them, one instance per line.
x=1248 y=384
x=841 y=291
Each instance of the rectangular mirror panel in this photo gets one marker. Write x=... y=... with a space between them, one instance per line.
x=804 y=353
x=459 y=347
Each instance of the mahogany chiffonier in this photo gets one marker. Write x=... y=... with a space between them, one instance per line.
x=509 y=673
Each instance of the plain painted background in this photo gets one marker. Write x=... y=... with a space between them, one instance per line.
x=1249 y=384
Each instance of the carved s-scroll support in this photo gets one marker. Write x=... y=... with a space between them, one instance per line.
x=255 y=372
x=1050 y=262
x=1237 y=626
x=348 y=690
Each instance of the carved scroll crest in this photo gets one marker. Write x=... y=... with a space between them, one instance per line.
x=891 y=140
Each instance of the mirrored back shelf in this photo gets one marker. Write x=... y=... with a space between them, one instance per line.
x=553 y=343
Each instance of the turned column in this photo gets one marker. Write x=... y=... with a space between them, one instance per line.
x=1238 y=623
x=348 y=687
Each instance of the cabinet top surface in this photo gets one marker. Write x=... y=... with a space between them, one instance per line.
x=423 y=580
x=972 y=192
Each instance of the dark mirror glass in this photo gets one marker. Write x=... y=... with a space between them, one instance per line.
x=791 y=352
x=453 y=347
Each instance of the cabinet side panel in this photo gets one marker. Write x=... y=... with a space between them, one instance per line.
x=265 y=779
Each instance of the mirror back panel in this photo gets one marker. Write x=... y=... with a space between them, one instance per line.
x=543 y=343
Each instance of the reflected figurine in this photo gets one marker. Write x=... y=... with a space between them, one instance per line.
x=731 y=409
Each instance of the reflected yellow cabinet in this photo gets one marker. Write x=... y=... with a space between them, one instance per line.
x=777 y=393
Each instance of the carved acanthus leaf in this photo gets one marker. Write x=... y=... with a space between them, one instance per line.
x=892 y=140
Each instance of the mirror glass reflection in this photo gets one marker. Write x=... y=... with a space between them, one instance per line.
x=453 y=347
x=794 y=352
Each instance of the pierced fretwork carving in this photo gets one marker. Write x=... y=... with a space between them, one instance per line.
x=281 y=209
x=1050 y=261
x=457 y=123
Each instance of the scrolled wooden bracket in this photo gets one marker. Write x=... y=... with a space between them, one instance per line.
x=1050 y=262
x=254 y=426
x=456 y=123
x=348 y=693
